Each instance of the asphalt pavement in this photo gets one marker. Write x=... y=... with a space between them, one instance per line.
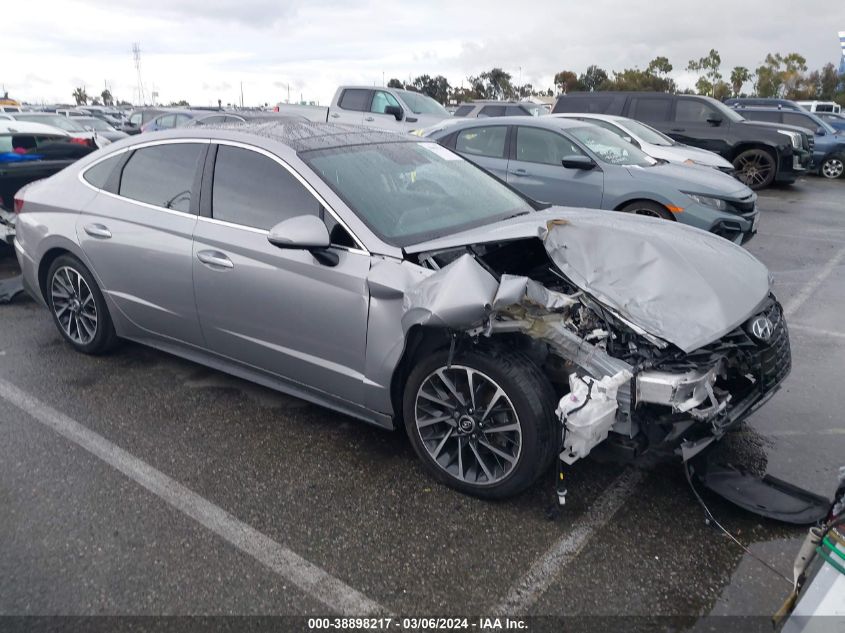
x=139 y=483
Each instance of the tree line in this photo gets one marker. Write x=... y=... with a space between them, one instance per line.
x=783 y=76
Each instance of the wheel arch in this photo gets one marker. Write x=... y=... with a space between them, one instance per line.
x=747 y=145
x=640 y=198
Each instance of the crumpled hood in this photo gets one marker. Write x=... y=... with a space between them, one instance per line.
x=692 y=180
x=681 y=284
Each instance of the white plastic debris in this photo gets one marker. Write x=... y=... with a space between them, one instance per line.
x=588 y=411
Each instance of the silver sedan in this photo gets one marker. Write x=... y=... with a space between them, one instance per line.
x=391 y=280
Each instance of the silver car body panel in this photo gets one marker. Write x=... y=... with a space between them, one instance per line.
x=335 y=335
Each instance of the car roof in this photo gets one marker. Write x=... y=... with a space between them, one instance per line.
x=549 y=121
x=298 y=135
x=28 y=127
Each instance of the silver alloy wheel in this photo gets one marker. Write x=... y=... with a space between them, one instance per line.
x=468 y=425
x=74 y=305
x=833 y=168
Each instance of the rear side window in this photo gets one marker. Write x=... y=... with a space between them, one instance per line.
x=593 y=104
x=463 y=110
x=794 y=118
x=166 y=122
x=483 y=141
x=98 y=175
x=492 y=110
x=162 y=175
x=650 y=109
x=355 y=99
x=772 y=116
x=254 y=190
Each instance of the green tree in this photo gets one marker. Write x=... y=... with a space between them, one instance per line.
x=80 y=96
x=659 y=67
x=594 y=78
x=498 y=84
x=179 y=104
x=567 y=81
x=828 y=81
x=708 y=66
x=395 y=83
x=107 y=98
x=437 y=88
x=739 y=76
x=780 y=75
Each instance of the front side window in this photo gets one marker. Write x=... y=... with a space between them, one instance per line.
x=136 y=119
x=254 y=190
x=355 y=99
x=166 y=122
x=381 y=100
x=162 y=175
x=694 y=111
x=611 y=149
x=534 y=145
x=483 y=141
x=407 y=191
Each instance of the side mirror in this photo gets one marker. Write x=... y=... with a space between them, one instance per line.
x=396 y=111
x=304 y=232
x=821 y=131
x=715 y=119
x=578 y=162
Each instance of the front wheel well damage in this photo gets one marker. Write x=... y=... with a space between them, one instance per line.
x=422 y=341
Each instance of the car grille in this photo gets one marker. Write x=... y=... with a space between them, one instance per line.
x=811 y=142
x=774 y=358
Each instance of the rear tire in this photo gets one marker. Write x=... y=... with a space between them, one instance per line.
x=78 y=307
x=833 y=167
x=495 y=447
x=756 y=168
x=649 y=208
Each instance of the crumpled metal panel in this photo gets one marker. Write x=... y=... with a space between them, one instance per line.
x=683 y=285
x=516 y=290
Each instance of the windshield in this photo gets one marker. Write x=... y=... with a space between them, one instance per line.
x=409 y=192
x=56 y=120
x=728 y=113
x=422 y=104
x=646 y=133
x=610 y=148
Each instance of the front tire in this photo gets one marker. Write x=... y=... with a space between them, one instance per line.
x=756 y=168
x=78 y=307
x=648 y=208
x=833 y=167
x=484 y=425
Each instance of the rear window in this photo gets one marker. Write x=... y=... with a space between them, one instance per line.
x=592 y=104
x=162 y=175
x=463 y=110
x=654 y=109
x=492 y=110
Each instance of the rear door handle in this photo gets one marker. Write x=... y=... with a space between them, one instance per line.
x=369 y=118
x=214 y=259
x=97 y=230
x=678 y=129
x=335 y=115
x=519 y=172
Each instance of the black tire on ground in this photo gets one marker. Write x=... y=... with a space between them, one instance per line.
x=528 y=394
x=104 y=337
x=756 y=168
x=833 y=167
x=647 y=207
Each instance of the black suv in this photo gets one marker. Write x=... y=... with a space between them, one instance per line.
x=761 y=153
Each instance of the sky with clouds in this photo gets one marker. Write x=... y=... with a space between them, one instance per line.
x=201 y=50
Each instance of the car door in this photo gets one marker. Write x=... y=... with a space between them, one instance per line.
x=278 y=310
x=535 y=169
x=377 y=117
x=699 y=124
x=351 y=106
x=139 y=238
x=485 y=146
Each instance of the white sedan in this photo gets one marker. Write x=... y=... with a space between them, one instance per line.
x=654 y=143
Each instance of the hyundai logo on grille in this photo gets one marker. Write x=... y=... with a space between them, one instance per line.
x=762 y=328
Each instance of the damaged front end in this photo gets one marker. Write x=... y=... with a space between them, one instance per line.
x=631 y=371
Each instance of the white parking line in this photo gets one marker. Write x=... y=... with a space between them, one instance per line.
x=799 y=299
x=313 y=580
x=525 y=592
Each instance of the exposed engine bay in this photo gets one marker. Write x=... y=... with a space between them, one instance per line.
x=616 y=379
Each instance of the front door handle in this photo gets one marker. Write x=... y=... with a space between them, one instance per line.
x=519 y=172
x=335 y=115
x=679 y=129
x=97 y=230
x=214 y=259
x=369 y=118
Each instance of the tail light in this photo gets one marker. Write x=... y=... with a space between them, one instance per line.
x=18 y=204
x=78 y=140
